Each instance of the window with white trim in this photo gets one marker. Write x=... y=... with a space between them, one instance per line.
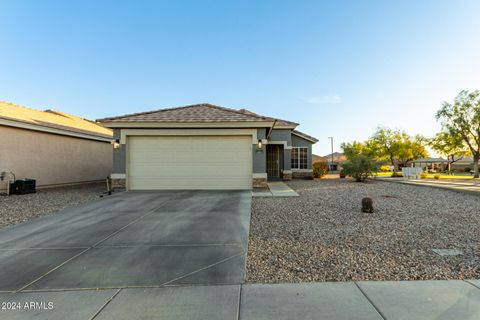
x=299 y=158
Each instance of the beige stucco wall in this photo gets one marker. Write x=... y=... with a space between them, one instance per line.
x=53 y=159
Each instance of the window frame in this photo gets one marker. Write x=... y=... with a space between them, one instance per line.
x=298 y=162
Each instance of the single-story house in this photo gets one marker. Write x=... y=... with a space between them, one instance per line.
x=205 y=146
x=460 y=164
x=463 y=164
x=431 y=164
x=336 y=165
x=52 y=147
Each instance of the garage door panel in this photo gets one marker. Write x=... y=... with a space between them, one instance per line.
x=190 y=162
x=203 y=158
x=189 y=173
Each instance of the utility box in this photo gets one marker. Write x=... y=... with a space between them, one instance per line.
x=23 y=186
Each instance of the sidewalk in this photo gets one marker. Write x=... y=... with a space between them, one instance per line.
x=276 y=189
x=463 y=187
x=369 y=300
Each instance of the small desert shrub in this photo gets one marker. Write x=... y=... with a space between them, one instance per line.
x=360 y=167
x=437 y=176
x=423 y=175
x=367 y=205
x=342 y=174
x=320 y=169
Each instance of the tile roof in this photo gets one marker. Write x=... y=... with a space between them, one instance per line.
x=279 y=122
x=282 y=123
x=52 y=119
x=304 y=135
x=196 y=113
x=193 y=113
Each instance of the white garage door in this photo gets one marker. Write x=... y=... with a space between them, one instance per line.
x=189 y=162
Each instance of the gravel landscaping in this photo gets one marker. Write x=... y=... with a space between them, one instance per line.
x=18 y=208
x=322 y=235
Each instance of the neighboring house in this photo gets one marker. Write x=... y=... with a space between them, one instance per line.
x=461 y=164
x=431 y=164
x=336 y=165
x=206 y=147
x=52 y=147
x=464 y=164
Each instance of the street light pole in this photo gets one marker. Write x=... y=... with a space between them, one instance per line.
x=331 y=163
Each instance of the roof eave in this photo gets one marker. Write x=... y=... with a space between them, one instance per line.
x=311 y=139
x=54 y=130
x=285 y=126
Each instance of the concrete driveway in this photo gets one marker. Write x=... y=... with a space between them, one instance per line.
x=132 y=239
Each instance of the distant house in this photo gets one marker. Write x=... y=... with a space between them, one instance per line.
x=460 y=164
x=335 y=165
x=52 y=147
x=431 y=164
x=204 y=146
x=464 y=164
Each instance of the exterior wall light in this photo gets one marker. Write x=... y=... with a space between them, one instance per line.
x=116 y=144
x=259 y=144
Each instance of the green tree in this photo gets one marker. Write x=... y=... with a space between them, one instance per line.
x=462 y=119
x=351 y=149
x=449 y=146
x=396 y=146
x=412 y=148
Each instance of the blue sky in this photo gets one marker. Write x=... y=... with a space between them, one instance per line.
x=340 y=68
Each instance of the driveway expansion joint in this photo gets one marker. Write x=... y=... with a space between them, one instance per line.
x=52 y=248
x=239 y=301
x=52 y=270
x=471 y=283
x=105 y=304
x=204 y=268
x=127 y=225
x=370 y=300
x=173 y=245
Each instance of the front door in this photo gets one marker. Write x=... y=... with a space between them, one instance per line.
x=273 y=162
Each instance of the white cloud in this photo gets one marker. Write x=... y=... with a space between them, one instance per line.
x=327 y=99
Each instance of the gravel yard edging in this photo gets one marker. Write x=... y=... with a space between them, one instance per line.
x=15 y=209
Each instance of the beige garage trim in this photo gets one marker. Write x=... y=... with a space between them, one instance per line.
x=188 y=132
x=189 y=162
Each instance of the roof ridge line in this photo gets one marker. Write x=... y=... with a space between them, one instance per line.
x=237 y=111
x=208 y=105
x=144 y=112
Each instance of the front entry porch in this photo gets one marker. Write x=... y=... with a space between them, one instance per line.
x=274 y=162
